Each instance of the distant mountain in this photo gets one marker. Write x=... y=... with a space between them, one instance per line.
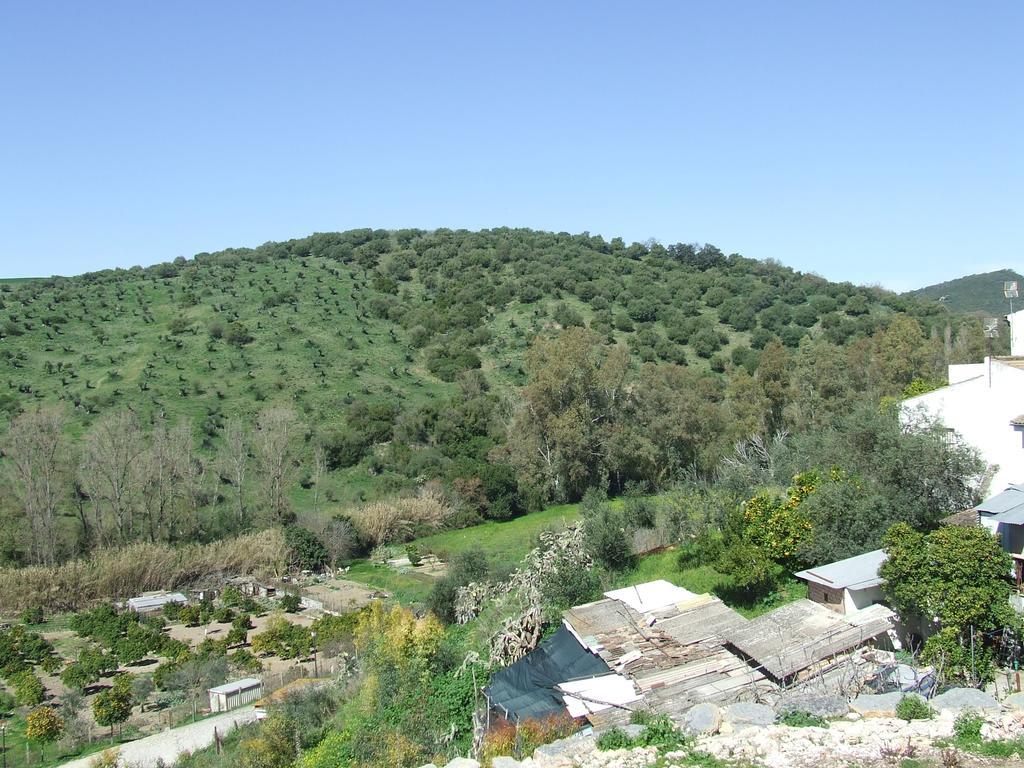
x=977 y=294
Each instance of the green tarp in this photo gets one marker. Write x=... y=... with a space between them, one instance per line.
x=526 y=689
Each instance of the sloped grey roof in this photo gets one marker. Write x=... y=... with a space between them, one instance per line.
x=1005 y=507
x=858 y=572
x=237 y=685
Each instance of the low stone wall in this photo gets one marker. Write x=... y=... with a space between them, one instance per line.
x=862 y=732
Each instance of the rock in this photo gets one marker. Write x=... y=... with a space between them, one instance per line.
x=828 y=706
x=702 y=720
x=853 y=717
x=959 y=699
x=462 y=762
x=633 y=731
x=505 y=762
x=876 y=704
x=560 y=754
x=747 y=714
x=1015 y=701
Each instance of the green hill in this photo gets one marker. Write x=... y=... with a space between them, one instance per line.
x=365 y=335
x=332 y=318
x=980 y=294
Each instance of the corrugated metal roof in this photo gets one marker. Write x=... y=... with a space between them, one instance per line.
x=238 y=685
x=1005 y=507
x=155 y=601
x=858 y=572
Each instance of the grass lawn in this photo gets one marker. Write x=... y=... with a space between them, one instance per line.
x=505 y=542
x=406 y=588
x=703 y=579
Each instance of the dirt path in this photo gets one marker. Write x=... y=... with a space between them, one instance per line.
x=169 y=745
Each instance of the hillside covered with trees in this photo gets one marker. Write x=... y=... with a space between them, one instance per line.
x=978 y=294
x=452 y=375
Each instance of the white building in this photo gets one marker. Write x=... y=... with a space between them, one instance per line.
x=984 y=405
x=235 y=694
x=846 y=585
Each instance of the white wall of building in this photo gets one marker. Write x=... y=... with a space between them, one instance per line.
x=980 y=409
x=1016 y=321
x=855 y=599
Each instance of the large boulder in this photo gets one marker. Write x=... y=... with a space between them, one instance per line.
x=562 y=753
x=462 y=762
x=746 y=714
x=876 y=704
x=702 y=720
x=959 y=699
x=1015 y=701
x=505 y=762
x=828 y=706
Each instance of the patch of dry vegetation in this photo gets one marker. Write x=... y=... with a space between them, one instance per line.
x=127 y=571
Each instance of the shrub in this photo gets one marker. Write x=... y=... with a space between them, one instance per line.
x=608 y=537
x=32 y=615
x=28 y=689
x=967 y=727
x=803 y=720
x=282 y=638
x=223 y=615
x=464 y=568
x=191 y=615
x=413 y=553
x=615 y=738
x=290 y=602
x=661 y=732
x=307 y=551
x=914 y=708
x=640 y=511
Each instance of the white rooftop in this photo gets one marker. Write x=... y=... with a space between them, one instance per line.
x=858 y=572
x=155 y=600
x=238 y=685
x=651 y=595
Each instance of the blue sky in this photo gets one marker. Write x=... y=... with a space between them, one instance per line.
x=877 y=142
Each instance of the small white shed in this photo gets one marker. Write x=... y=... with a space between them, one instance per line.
x=154 y=602
x=235 y=694
x=846 y=585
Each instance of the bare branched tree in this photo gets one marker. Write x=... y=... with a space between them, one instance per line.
x=38 y=467
x=111 y=473
x=275 y=445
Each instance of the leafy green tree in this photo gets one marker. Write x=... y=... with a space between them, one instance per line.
x=113 y=706
x=464 y=568
x=28 y=689
x=955 y=579
x=43 y=726
x=305 y=548
x=608 y=537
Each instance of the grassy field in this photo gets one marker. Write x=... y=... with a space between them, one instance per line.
x=505 y=542
x=705 y=579
x=406 y=588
